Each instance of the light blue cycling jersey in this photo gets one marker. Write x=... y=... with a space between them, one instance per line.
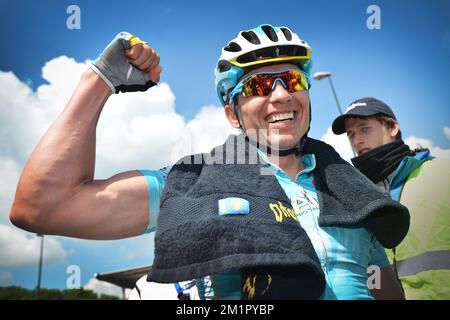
x=344 y=253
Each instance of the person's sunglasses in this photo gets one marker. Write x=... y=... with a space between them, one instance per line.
x=262 y=83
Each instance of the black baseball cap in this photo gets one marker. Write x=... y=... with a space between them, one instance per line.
x=364 y=107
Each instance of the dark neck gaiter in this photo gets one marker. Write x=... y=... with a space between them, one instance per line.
x=377 y=164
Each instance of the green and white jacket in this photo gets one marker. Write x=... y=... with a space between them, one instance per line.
x=422 y=259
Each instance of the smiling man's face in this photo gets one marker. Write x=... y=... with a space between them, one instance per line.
x=279 y=119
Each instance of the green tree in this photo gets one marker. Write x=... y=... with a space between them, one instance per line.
x=18 y=293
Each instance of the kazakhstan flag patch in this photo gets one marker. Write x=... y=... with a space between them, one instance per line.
x=233 y=206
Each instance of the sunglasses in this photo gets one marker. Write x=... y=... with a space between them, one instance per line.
x=262 y=83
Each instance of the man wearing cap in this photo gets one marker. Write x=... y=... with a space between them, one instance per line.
x=418 y=181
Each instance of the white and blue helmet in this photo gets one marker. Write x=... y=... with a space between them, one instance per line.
x=263 y=45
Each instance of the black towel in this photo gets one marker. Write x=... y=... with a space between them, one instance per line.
x=192 y=240
x=347 y=197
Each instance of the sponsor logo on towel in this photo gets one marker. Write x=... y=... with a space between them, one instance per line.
x=233 y=206
x=282 y=212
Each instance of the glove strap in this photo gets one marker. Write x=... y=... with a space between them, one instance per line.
x=93 y=67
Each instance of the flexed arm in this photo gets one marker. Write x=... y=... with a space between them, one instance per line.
x=56 y=193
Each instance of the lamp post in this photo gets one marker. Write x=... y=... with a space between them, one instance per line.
x=323 y=75
x=40 y=261
x=326 y=74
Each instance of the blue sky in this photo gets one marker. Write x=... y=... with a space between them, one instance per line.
x=405 y=63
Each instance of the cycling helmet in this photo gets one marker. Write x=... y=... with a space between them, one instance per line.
x=257 y=47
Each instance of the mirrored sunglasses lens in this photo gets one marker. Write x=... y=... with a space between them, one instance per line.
x=262 y=84
x=296 y=81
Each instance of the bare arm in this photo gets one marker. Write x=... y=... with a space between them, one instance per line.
x=56 y=193
x=389 y=288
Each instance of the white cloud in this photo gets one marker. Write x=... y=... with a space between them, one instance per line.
x=103 y=287
x=18 y=249
x=447 y=132
x=136 y=130
x=150 y=134
x=25 y=115
x=9 y=171
x=415 y=142
x=208 y=128
x=340 y=143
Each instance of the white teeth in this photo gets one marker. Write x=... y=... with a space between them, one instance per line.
x=281 y=116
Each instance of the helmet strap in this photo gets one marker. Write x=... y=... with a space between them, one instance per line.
x=236 y=113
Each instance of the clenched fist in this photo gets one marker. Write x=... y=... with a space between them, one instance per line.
x=128 y=64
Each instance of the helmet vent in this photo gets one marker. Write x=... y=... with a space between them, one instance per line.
x=287 y=33
x=270 y=33
x=223 y=65
x=250 y=36
x=233 y=47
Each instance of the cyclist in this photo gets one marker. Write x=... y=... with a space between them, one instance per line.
x=262 y=79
